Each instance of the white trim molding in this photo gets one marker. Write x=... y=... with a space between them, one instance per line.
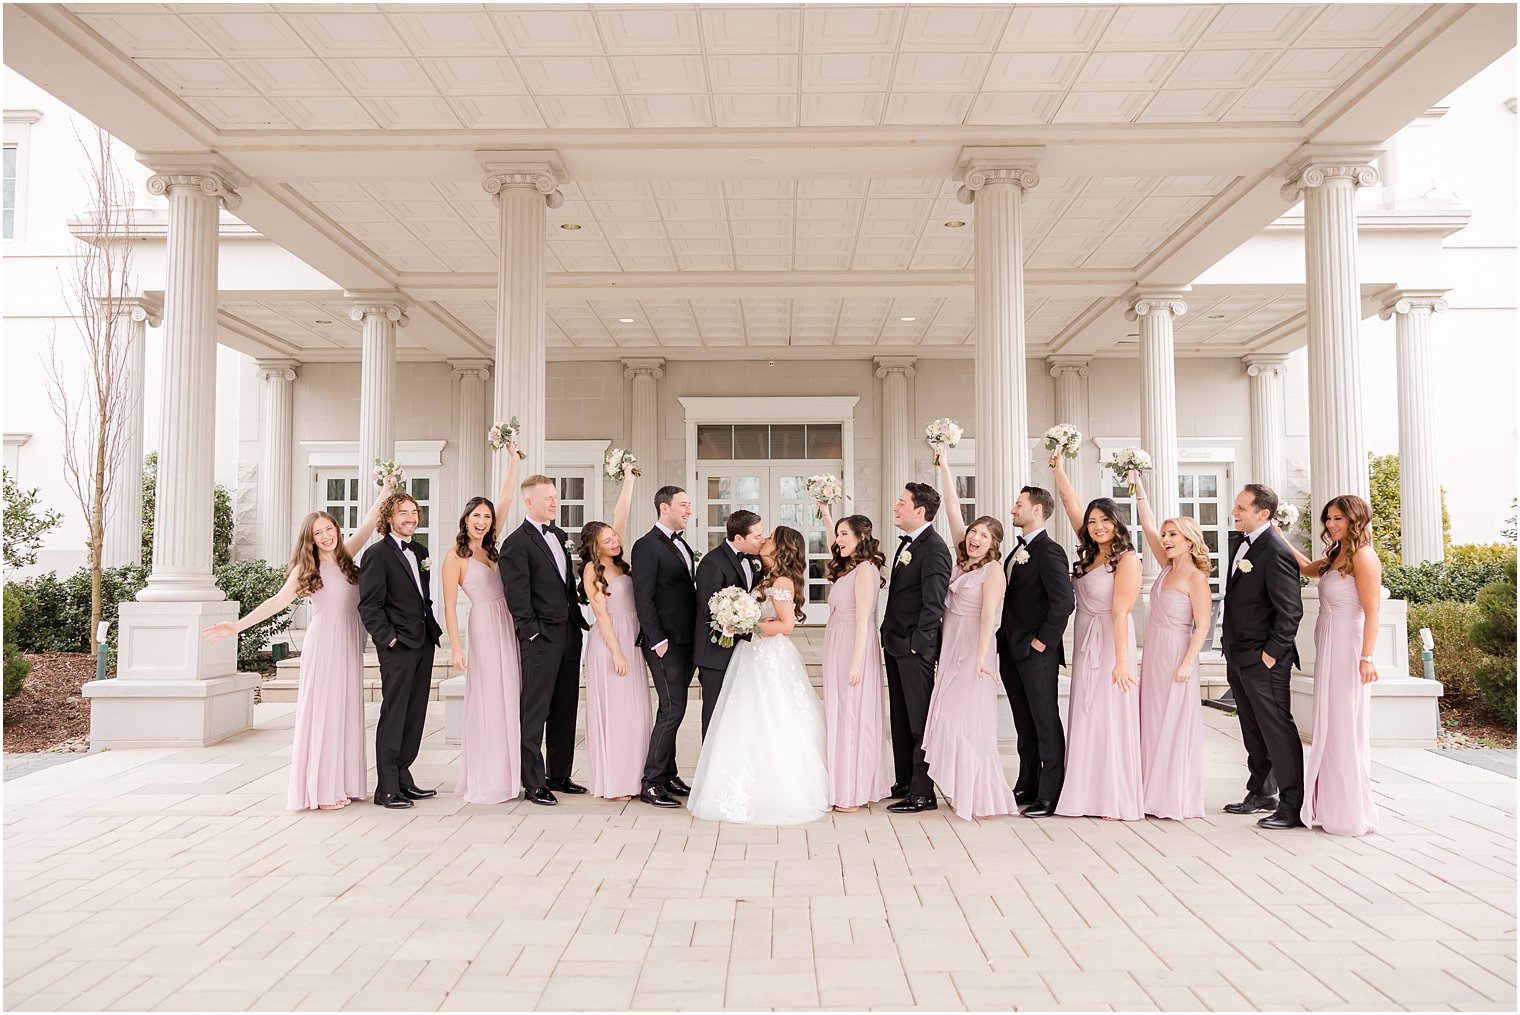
x=794 y=409
x=345 y=454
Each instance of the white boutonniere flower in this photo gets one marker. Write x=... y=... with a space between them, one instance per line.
x=426 y=563
x=1245 y=567
x=906 y=557
x=1022 y=556
x=569 y=545
x=754 y=564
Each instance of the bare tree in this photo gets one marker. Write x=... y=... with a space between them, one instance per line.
x=93 y=402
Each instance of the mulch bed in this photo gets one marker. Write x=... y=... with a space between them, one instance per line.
x=50 y=710
x=1474 y=727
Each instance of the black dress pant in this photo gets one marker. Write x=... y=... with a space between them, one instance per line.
x=406 y=678
x=1274 y=752
x=711 y=679
x=672 y=681
x=910 y=682
x=1033 y=686
x=551 y=677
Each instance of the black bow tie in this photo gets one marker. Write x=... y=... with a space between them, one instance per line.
x=548 y=529
x=406 y=544
x=903 y=541
x=679 y=537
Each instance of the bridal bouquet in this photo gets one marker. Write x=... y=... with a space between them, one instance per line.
x=1130 y=458
x=943 y=432
x=1286 y=517
x=617 y=458
x=502 y=434
x=824 y=489
x=734 y=612
x=388 y=474
x=1065 y=438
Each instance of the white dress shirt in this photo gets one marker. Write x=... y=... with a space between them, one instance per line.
x=912 y=536
x=680 y=545
x=1008 y=567
x=1246 y=544
x=556 y=548
x=744 y=566
x=411 y=560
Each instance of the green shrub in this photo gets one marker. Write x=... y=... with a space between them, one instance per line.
x=249 y=583
x=43 y=622
x=1493 y=633
x=1474 y=554
x=1457 y=659
x=1387 y=511
x=1454 y=582
x=16 y=666
x=221 y=516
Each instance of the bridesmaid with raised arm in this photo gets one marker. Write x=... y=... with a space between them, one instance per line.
x=960 y=733
x=490 y=756
x=1171 y=726
x=327 y=765
x=618 y=716
x=1103 y=714
x=854 y=679
x=1338 y=778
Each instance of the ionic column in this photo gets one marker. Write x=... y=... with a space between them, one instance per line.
x=381 y=313
x=1268 y=424
x=277 y=411
x=123 y=529
x=1070 y=374
x=522 y=190
x=643 y=438
x=1327 y=179
x=995 y=181
x=1419 y=480
x=896 y=429
x=469 y=378
x=1157 y=310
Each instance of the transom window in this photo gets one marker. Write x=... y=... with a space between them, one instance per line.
x=744 y=442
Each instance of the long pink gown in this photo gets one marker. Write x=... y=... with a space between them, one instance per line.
x=327 y=763
x=960 y=732
x=490 y=759
x=618 y=717
x=854 y=717
x=1171 y=728
x=1103 y=724
x=1337 y=778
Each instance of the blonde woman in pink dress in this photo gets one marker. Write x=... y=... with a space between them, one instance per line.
x=1171 y=724
x=1103 y=724
x=618 y=714
x=327 y=762
x=490 y=754
x=854 y=679
x=960 y=732
x=1338 y=777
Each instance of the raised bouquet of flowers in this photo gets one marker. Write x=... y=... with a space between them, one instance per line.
x=502 y=434
x=388 y=474
x=616 y=459
x=943 y=432
x=1130 y=458
x=734 y=612
x=824 y=489
x=1286 y=517
x=1065 y=438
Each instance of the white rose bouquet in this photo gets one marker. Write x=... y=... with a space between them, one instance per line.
x=734 y=612
x=616 y=459
x=1286 y=517
x=943 y=432
x=501 y=434
x=824 y=489
x=1065 y=438
x=1130 y=458
x=388 y=474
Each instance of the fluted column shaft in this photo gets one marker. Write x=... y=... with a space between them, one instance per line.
x=1327 y=181
x=277 y=411
x=1070 y=374
x=1157 y=311
x=1268 y=424
x=182 y=516
x=469 y=378
x=123 y=529
x=644 y=430
x=896 y=429
x=1423 y=535
x=381 y=314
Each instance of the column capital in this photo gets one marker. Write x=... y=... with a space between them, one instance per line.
x=538 y=170
x=385 y=303
x=904 y=365
x=1316 y=165
x=981 y=167
x=133 y=308
x=210 y=174
x=652 y=367
x=1146 y=300
x=1258 y=363
x=1059 y=365
x=474 y=369
x=1405 y=301
x=276 y=369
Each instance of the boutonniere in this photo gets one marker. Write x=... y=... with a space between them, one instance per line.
x=905 y=558
x=754 y=564
x=1245 y=567
x=696 y=555
x=426 y=563
x=1022 y=556
x=569 y=545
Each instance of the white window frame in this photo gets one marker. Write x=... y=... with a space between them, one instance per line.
x=13 y=444
x=416 y=458
x=18 y=133
x=1196 y=450
x=580 y=460
x=797 y=409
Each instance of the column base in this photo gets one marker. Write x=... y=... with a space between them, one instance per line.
x=169 y=713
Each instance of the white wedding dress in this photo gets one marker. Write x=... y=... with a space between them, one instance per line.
x=763 y=761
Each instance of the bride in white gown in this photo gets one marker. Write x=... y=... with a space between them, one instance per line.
x=763 y=762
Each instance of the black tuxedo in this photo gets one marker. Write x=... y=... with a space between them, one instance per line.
x=719 y=568
x=1263 y=604
x=910 y=630
x=1037 y=605
x=665 y=594
x=400 y=619
x=549 y=626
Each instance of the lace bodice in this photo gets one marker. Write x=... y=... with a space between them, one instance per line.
x=768 y=608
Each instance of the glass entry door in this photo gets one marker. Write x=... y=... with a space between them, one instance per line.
x=1204 y=493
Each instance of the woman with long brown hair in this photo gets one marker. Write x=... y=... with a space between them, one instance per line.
x=327 y=766
x=1337 y=778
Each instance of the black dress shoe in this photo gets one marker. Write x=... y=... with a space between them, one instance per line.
x=1039 y=809
x=566 y=786
x=393 y=800
x=414 y=793
x=913 y=803
x=677 y=787
x=539 y=795
x=1251 y=804
x=656 y=795
x=898 y=792
x=1280 y=819
x=1023 y=798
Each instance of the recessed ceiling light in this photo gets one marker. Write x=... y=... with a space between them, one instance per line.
x=321 y=320
x=1216 y=317
x=955 y=224
x=907 y=319
x=570 y=226
x=626 y=320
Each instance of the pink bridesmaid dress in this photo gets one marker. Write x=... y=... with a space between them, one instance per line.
x=1171 y=728
x=960 y=731
x=1337 y=779
x=1103 y=724
x=327 y=763
x=618 y=716
x=490 y=759
x=854 y=717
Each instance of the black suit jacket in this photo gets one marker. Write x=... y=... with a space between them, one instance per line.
x=719 y=568
x=536 y=594
x=916 y=598
x=389 y=604
x=664 y=590
x=1039 y=600
x=1263 y=604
